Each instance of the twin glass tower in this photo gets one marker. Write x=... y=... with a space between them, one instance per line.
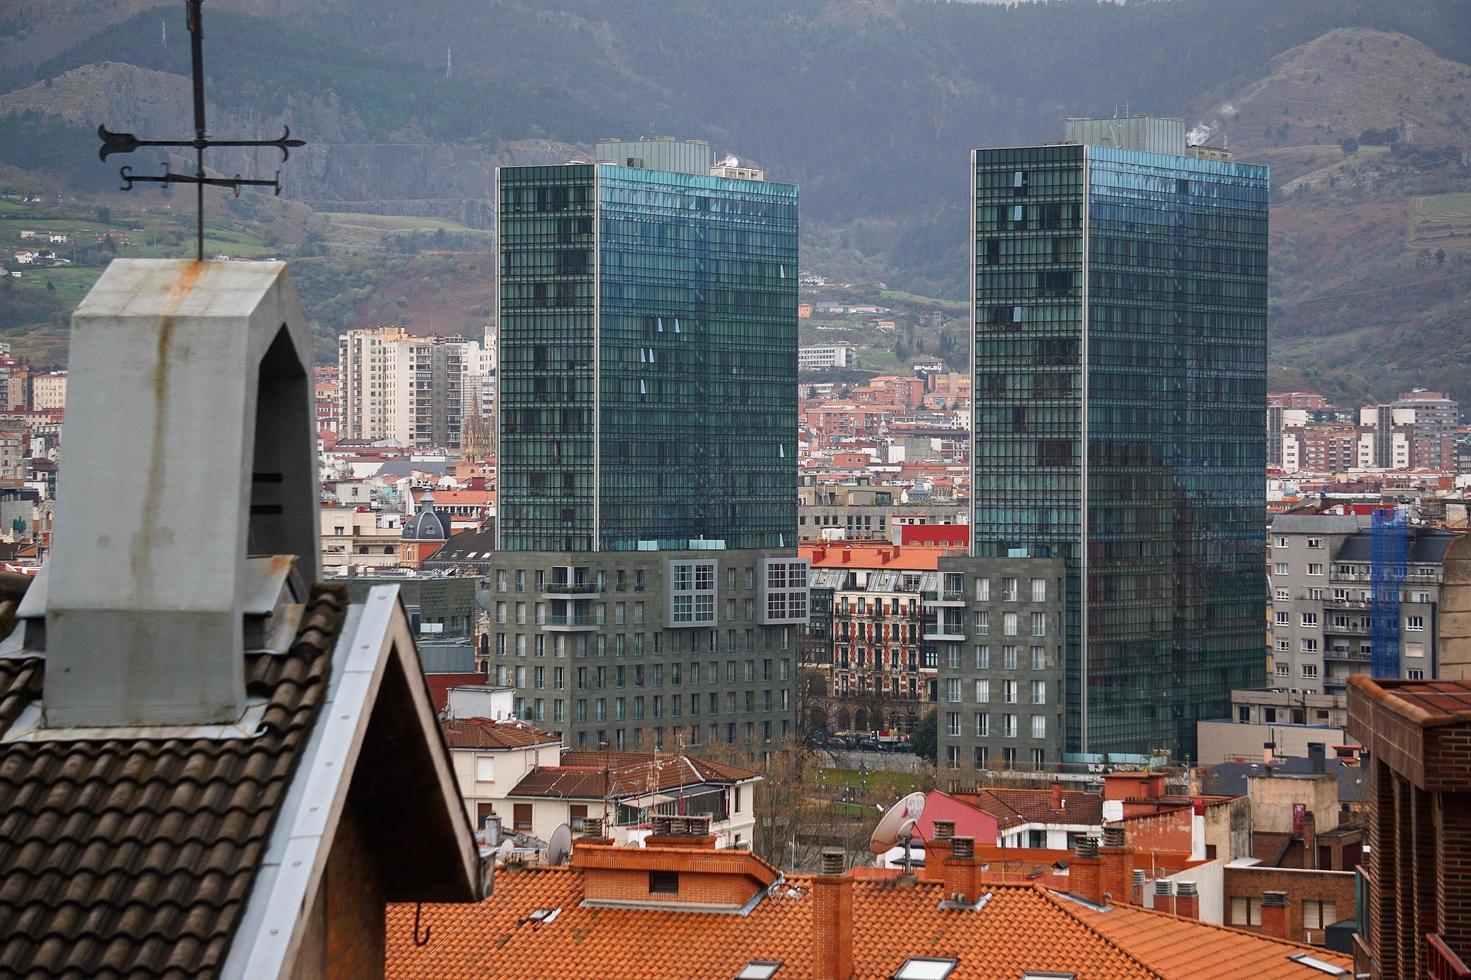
x=1120 y=294
x=648 y=335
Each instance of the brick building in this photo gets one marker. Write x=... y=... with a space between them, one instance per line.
x=1417 y=735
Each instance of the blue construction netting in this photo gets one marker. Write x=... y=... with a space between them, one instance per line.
x=1391 y=544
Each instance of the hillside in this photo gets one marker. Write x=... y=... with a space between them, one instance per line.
x=871 y=105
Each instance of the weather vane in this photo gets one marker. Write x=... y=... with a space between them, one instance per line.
x=127 y=142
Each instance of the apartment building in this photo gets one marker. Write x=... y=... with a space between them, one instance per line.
x=819 y=357
x=1321 y=570
x=999 y=630
x=866 y=512
x=411 y=390
x=644 y=649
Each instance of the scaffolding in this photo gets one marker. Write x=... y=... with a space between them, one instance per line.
x=1391 y=546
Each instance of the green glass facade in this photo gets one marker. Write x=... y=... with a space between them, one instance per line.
x=1119 y=420
x=647 y=359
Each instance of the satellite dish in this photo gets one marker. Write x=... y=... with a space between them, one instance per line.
x=560 y=847
x=898 y=826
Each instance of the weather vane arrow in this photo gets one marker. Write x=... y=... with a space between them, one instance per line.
x=127 y=142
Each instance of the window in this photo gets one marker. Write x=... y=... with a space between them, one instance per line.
x=1282 y=670
x=1039 y=624
x=1309 y=646
x=1422 y=596
x=1246 y=911
x=983 y=691
x=1318 y=914
x=759 y=970
x=663 y=882
x=1279 y=568
x=484 y=769
x=1039 y=658
x=1008 y=658
x=521 y=817
x=983 y=624
x=1008 y=589
x=1008 y=726
x=925 y=967
x=1283 y=646
x=983 y=590
x=1310 y=670
x=983 y=724
x=1008 y=692
x=1315 y=542
x=1039 y=590
x=952 y=723
x=1415 y=624
x=1281 y=542
x=1415 y=674
x=1039 y=692
x=983 y=658
x=1315 y=568
x=952 y=690
x=1039 y=726
x=1310 y=620
x=1282 y=595
x=1282 y=618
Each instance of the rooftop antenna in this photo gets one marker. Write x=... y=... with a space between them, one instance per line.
x=897 y=827
x=559 y=848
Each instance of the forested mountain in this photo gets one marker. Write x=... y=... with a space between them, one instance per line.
x=871 y=105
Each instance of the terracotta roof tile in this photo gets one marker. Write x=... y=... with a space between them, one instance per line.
x=598 y=775
x=484 y=733
x=1020 y=927
x=130 y=856
x=1014 y=807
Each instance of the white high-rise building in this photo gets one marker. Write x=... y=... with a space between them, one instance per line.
x=405 y=389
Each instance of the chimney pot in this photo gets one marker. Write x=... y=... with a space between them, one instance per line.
x=1187 y=889
x=1163 y=887
x=833 y=860
x=1187 y=900
x=1139 y=877
x=592 y=828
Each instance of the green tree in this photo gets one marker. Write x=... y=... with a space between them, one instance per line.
x=1350 y=146
x=1439 y=257
x=924 y=738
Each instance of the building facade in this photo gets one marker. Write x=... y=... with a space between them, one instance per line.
x=1119 y=415
x=647 y=349
x=998 y=631
x=646 y=649
x=1321 y=568
x=396 y=387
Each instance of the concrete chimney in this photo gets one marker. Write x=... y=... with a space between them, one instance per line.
x=1113 y=860
x=1164 y=895
x=1084 y=871
x=1187 y=900
x=190 y=445
x=832 y=917
x=1274 y=914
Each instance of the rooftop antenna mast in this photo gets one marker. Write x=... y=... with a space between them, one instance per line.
x=127 y=142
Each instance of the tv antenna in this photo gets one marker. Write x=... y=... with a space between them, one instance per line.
x=127 y=142
x=559 y=848
x=897 y=827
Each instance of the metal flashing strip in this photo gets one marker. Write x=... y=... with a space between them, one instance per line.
x=597 y=358
x=30 y=726
x=1083 y=477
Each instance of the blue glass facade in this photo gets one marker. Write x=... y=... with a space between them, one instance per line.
x=1120 y=389
x=648 y=359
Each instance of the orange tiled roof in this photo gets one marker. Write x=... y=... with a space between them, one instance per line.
x=1014 y=807
x=484 y=733
x=1019 y=928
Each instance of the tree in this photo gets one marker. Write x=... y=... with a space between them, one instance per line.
x=1439 y=257
x=1350 y=146
x=925 y=737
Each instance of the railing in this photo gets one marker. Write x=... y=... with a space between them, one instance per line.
x=1441 y=963
x=572 y=588
x=570 y=619
x=943 y=595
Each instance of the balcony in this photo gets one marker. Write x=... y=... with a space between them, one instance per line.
x=571 y=589
x=571 y=621
x=1441 y=962
x=943 y=597
x=1352 y=629
x=942 y=630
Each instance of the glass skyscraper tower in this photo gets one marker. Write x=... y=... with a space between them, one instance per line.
x=647 y=354
x=1120 y=295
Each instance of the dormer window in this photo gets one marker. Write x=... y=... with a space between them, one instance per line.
x=759 y=970
x=925 y=968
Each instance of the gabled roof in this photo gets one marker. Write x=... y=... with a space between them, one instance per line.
x=587 y=776
x=1018 y=928
x=1015 y=807
x=485 y=733
x=127 y=855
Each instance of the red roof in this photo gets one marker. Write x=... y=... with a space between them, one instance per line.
x=485 y=733
x=439 y=685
